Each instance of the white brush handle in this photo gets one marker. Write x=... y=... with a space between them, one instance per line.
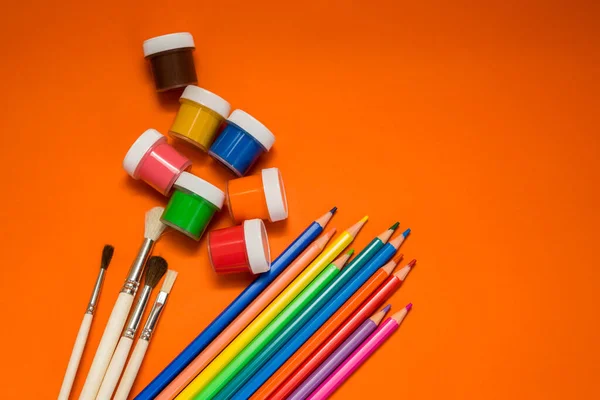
x=107 y=345
x=78 y=347
x=117 y=363
x=133 y=366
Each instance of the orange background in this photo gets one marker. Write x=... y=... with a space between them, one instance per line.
x=474 y=124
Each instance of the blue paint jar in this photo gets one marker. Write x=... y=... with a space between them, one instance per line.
x=241 y=142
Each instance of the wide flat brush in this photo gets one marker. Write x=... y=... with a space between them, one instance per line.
x=142 y=344
x=84 y=329
x=153 y=229
x=157 y=267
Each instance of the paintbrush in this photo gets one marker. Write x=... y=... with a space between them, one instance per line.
x=153 y=229
x=84 y=329
x=142 y=344
x=157 y=267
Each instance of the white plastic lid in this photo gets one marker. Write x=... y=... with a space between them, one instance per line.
x=208 y=99
x=202 y=188
x=275 y=194
x=254 y=127
x=171 y=41
x=257 y=246
x=138 y=150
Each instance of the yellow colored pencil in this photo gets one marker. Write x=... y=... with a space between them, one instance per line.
x=241 y=341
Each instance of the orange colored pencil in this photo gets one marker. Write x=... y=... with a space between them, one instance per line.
x=242 y=320
x=326 y=330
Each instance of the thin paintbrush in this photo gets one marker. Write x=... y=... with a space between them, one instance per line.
x=84 y=329
x=142 y=344
x=153 y=229
x=157 y=267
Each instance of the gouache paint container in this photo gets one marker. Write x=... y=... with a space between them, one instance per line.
x=172 y=60
x=259 y=196
x=241 y=142
x=199 y=117
x=240 y=248
x=193 y=204
x=155 y=161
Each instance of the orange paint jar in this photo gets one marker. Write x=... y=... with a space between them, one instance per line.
x=259 y=196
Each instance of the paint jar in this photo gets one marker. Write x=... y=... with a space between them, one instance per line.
x=155 y=161
x=241 y=142
x=257 y=196
x=199 y=117
x=193 y=204
x=240 y=248
x=172 y=60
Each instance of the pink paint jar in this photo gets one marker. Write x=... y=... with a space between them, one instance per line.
x=240 y=248
x=155 y=161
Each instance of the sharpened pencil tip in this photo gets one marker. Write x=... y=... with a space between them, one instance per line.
x=395 y=226
x=398 y=257
x=350 y=252
x=406 y=232
x=412 y=263
x=387 y=308
x=364 y=219
x=408 y=306
x=333 y=210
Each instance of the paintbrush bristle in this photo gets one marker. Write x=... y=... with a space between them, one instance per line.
x=107 y=253
x=169 y=281
x=157 y=266
x=154 y=227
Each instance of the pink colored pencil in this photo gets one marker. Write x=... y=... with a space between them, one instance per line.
x=360 y=355
x=242 y=320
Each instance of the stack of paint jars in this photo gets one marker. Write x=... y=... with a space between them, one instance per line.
x=235 y=140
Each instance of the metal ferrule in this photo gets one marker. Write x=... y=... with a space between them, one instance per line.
x=96 y=293
x=137 y=268
x=157 y=308
x=135 y=319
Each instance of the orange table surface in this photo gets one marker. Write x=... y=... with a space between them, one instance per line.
x=473 y=123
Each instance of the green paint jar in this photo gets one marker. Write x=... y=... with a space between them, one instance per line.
x=192 y=205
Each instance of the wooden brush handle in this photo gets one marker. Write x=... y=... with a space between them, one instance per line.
x=107 y=345
x=133 y=366
x=117 y=363
x=78 y=347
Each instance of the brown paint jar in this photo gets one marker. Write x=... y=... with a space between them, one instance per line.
x=172 y=60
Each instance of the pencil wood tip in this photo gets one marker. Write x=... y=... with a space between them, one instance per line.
x=343 y=259
x=354 y=229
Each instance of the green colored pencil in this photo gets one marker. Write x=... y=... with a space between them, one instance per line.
x=267 y=334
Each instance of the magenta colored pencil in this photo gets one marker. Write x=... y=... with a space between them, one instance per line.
x=360 y=355
x=338 y=356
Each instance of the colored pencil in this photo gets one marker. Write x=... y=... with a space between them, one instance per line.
x=235 y=308
x=343 y=331
x=338 y=356
x=259 y=304
x=319 y=319
x=278 y=305
x=294 y=326
x=360 y=355
x=276 y=380
x=284 y=318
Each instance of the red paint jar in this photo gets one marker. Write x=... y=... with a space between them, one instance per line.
x=240 y=248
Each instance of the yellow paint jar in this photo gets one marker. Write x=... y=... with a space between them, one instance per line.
x=199 y=117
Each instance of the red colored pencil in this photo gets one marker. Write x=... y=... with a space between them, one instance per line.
x=366 y=309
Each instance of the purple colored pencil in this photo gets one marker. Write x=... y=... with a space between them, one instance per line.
x=338 y=356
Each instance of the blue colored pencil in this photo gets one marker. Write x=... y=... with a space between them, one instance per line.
x=319 y=319
x=231 y=312
x=298 y=322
